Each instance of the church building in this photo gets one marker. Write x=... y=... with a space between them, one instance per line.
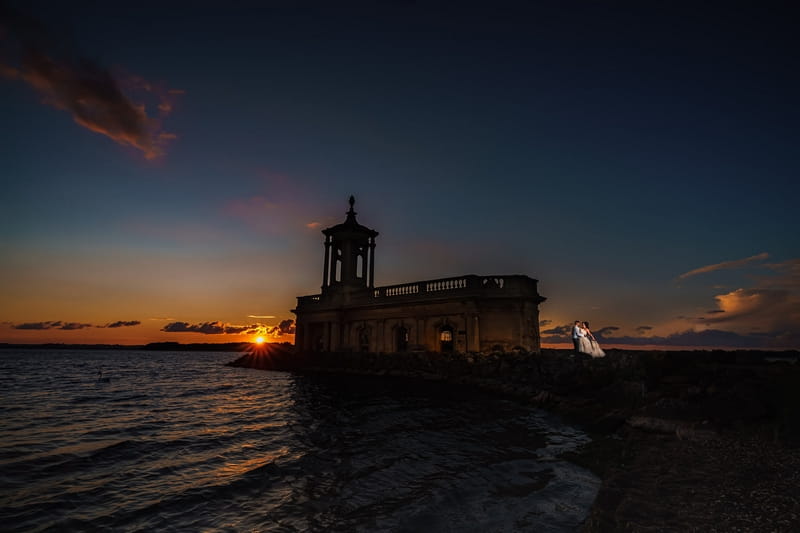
x=464 y=314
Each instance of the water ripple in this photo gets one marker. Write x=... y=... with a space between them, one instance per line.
x=179 y=442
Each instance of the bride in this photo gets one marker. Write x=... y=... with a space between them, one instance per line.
x=588 y=344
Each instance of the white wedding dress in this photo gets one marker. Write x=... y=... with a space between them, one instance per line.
x=590 y=347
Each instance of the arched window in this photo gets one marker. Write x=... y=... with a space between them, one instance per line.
x=337 y=265
x=446 y=339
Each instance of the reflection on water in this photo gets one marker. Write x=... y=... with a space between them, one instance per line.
x=178 y=441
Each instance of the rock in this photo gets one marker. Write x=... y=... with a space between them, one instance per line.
x=649 y=423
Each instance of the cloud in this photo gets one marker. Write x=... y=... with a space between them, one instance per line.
x=643 y=329
x=74 y=325
x=764 y=309
x=603 y=332
x=88 y=91
x=771 y=307
x=724 y=265
x=272 y=214
x=566 y=330
x=36 y=325
x=260 y=316
x=254 y=328
x=69 y=326
x=51 y=324
x=211 y=328
x=286 y=327
x=545 y=323
x=121 y=323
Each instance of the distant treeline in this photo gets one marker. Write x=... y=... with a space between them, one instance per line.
x=153 y=346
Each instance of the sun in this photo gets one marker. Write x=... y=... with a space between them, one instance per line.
x=260 y=340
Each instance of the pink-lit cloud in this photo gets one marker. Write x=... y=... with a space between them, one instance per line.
x=96 y=99
x=284 y=205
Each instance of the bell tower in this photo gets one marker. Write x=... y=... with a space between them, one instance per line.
x=349 y=256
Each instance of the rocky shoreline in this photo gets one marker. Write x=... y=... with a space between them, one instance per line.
x=683 y=441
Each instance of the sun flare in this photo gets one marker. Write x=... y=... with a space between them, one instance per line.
x=260 y=340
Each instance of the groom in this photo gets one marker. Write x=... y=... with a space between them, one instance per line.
x=577 y=333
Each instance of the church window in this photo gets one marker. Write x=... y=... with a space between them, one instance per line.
x=446 y=339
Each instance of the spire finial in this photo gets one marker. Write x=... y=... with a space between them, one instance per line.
x=352 y=202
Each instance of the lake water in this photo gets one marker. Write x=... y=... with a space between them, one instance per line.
x=176 y=441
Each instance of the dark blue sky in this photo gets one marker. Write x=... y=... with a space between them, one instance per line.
x=606 y=150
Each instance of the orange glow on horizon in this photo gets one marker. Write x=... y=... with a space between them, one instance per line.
x=260 y=340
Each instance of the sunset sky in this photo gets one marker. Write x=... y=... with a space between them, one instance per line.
x=167 y=168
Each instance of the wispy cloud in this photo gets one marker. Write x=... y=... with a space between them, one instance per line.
x=88 y=91
x=284 y=205
x=271 y=214
x=260 y=316
x=785 y=275
x=725 y=265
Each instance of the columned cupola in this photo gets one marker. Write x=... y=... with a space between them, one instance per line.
x=349 y=255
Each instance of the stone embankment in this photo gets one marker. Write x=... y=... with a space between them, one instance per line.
x=684 y=441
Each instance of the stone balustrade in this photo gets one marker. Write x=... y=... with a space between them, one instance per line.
x=485 y=285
